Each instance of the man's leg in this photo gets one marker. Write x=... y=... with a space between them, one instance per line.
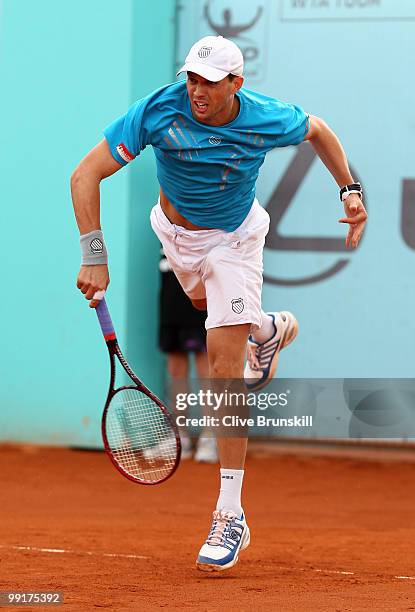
x=226 y=354
x=178 y=365
x=206 y=447
x=229 y=533
x=200 y=304
x=178 y=369
x=202 y=364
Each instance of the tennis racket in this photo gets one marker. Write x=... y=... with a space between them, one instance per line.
x=139 y=434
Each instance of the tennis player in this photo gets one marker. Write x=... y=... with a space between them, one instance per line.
x=210 y=137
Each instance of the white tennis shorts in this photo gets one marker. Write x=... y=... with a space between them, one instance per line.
x=223 y=267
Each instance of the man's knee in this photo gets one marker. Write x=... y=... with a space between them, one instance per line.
x=200 y=304
x=226 y=350
x=220 y=366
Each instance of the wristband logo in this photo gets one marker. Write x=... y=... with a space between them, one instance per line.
x=96 y=246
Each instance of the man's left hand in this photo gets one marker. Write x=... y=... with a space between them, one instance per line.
x=356 y=216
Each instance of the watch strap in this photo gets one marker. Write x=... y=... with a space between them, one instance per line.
x=348 y=189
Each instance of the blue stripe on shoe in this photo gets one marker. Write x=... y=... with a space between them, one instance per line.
x=223 y=561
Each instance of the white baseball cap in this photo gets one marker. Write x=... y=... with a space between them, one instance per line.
x=214 y=57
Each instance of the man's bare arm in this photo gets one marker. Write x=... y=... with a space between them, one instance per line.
x=85 y=184
x=97 y=165
x=329 y=149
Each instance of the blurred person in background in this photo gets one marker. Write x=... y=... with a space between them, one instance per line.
x=182 y=333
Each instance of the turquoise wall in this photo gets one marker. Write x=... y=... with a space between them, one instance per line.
x=67 y=70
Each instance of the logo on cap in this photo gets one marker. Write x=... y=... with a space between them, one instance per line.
x=204 y=52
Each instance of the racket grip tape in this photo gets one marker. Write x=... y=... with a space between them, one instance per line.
x=105 y=321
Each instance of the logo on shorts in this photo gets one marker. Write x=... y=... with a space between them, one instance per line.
x=96 y=246
x=238 y=305
x=204 y=52
x=215 y=140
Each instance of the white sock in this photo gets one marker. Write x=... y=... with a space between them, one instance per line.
x=230 y=490
x=266 y=330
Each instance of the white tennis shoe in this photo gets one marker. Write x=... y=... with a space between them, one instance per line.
x=262 y=359
x=206 y=450
x=227 y=537
x=163 y=448
x=187 y=449
x=166 y=446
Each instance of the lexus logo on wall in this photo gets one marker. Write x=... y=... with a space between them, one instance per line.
x=281 y=199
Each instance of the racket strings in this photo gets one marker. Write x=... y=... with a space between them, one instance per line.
x=141 y=437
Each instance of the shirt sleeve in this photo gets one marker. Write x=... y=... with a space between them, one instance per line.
x=293 y=125
x=127 y=136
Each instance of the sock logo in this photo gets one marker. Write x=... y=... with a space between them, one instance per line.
x=227 y=477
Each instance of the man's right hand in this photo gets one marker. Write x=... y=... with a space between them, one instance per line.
x=92 y=279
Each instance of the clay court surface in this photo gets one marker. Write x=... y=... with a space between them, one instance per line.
x=328 y=533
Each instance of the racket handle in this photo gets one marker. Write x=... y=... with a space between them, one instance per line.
x=105 y=321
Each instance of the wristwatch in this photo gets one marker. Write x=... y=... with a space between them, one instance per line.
x=352 y=188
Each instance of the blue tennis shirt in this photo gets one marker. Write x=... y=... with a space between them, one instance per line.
x=207 y=172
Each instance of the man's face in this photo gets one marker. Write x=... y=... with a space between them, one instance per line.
x=211 y=102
